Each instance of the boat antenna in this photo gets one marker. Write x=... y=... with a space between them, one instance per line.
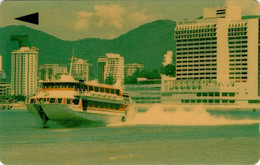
x=71 y=61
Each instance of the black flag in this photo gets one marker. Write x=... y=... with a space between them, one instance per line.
x=31 y=18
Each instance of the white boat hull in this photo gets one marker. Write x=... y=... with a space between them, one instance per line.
x=64 y=113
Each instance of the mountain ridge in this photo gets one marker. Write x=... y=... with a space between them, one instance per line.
x=145 y=44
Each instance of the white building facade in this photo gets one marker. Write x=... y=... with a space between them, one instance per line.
x=24 y=70
x=131 y=68
x=2 y=72
x=218 y=56
x=51 y=71
x=80 y=69
x=111 y=65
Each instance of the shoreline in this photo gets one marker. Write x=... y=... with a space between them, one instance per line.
x=16 y=106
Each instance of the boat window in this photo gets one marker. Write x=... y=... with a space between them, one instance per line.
x=101 y=105
x=204 y=94
x=52 y=100
x=224 y=101
x=77 y=86
x=117 y=106
x=76 y=101
x=216 y=93
x=59 y=100
x=64 y=85
x=90 y=103
x=32 y=101
x=107 y=105
x=112 y=106
x=68 y=101
x=102 y=89
x=95 y=104
x=107 y=90
x=40 y=99
x=112 y=91
x=52 y=86
x=57 y=86
x=84 y=87
x=90 y=88
x=224 y=94
x=44 y=99
x=117 y=92
x=96 y=89
x=71 y=86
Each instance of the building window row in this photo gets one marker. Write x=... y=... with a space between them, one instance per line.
x=196 y=57
x=196 y=52
x=207 y=101
x=195 y=36
x=196 y=31
x=197 y=65
x=197 y=39
x=197 y=26
x=196 y=78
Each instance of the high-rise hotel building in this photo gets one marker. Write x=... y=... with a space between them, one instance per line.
x=111 y=65
x=221 y=47
x=24 y=69
x=79 y=69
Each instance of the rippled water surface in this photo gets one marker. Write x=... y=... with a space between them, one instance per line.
x=153 y=137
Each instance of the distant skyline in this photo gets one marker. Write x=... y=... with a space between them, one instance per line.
x=74 y=20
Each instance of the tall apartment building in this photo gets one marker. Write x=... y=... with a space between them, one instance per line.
x=5 y=89
x=51 y=71
x=101 y=64
x=111 y=65
x=24 y=70
x=221 y=46
x=79 y=69
x=131 y=68
x=2 y=72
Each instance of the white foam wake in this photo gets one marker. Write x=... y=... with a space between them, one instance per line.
x=158 y=115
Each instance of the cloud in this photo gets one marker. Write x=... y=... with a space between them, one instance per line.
x=137 y=16
x=249 y=7
x=110 y=14
x=83 y=20
x=84 y=14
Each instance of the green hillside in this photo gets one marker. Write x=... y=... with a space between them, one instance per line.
x=146 y=45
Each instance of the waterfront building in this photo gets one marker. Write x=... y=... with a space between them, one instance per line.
x=24 y=70
x=111 y=65
x=217 y=59
x=145 y=91
x=131 y=68
x=79 y=69
x=5 y=89
x=101 y=63
x=51 y=71
x=2 y=72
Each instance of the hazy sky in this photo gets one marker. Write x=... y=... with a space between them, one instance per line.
x=73 y=20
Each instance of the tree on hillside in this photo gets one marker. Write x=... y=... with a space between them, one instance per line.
x=169 y=70
x=109 y=80
x=142 y=74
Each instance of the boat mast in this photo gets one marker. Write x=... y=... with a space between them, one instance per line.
x=71 y=61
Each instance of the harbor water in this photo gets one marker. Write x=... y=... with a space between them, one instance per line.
x=154 y=136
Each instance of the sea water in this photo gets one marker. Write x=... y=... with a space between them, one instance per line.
x=155 y=136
